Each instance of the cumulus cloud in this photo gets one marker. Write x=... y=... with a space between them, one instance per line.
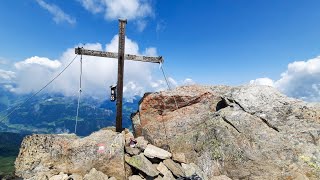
x=98 y=73
x=6 y=76
x=300 y=80
x=263 y=81
x=136 y=10
x=40 y=61
x=59 y=15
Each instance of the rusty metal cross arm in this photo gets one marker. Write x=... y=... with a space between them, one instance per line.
x=82 y=51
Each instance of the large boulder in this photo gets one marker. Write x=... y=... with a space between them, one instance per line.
x=251 y=132
x=51 y=154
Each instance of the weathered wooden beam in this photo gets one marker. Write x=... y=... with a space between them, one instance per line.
x=88 y=52
x=158 y=59
x=96 y=53
x=121 y=48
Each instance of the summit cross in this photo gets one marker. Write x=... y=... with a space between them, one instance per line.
x=121 y=57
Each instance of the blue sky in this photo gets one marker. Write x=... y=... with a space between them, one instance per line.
x=212 y=42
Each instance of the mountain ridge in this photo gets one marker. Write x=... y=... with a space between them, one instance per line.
x=55 y=113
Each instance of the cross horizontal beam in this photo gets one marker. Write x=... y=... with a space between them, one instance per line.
x=88 y=52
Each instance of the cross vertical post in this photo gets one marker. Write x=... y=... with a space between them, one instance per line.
x=122 y=26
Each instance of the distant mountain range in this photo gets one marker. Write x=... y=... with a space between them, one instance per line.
x=52 y=113
x=55 y=113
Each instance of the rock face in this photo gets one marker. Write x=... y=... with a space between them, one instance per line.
x=246 y=132
x=51 y=154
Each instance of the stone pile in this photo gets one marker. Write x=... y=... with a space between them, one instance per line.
x=104 y=155
x=150 y=162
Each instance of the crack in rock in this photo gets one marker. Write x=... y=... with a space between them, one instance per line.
x=227 y=121
x=227 y=102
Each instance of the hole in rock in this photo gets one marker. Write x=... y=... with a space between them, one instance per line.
x=221 y=104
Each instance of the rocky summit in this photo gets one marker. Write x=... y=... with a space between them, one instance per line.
x=191 y=132
x=245 y=132
x=42 y=156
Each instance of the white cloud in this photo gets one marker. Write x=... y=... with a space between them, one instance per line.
x=141 y=25
x=188 y=81
x=98 y=73
x=300 y=80
x=59 y=15
x=94 y=6
x=263 y=81
x=151 y=51
x=6 y=76
x=136 y=10
x=9 y=87
x=41 y=61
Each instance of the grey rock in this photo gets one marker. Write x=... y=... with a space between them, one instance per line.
x=132 y=150
x=141 y=163
x=165 y=171
x=199 y=171
x=175 y=168
x=179 y=157
x=129 y=171
x=245 y=132
x=135 y=177
x=48 y=153
x=75 y=177
x=95 y=175
x=61 y=176
x=141 y=143
x=40 y=176
x=188 y=169
x=159 y=178
x=221 y=177
x=154 y=152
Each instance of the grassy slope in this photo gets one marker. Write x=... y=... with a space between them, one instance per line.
x=9 y=149
x=7 y=165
